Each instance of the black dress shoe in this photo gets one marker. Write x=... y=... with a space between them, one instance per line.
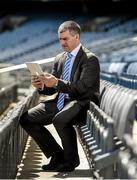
x=54 y=162
x=67 y=167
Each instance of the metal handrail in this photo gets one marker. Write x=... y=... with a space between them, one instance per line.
x=23 y=66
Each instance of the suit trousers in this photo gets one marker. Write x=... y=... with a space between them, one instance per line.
x=34 y=121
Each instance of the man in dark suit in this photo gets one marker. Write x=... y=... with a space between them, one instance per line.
x=75 y=76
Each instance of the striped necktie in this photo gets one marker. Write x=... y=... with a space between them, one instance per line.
x=65 y=76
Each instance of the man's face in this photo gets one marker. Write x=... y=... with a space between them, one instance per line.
x=68 y=41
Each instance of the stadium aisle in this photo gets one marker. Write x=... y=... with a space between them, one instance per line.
x=33 y=159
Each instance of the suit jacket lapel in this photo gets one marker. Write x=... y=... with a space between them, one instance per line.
x=76 y=62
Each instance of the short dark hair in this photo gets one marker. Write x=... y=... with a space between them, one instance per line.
x=71 y=26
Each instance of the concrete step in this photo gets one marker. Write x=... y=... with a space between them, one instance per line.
x=33 y=159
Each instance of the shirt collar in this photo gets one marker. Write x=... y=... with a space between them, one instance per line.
x=75 y=51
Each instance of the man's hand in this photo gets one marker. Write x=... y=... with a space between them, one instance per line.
x=49 y=80
x=36 y=82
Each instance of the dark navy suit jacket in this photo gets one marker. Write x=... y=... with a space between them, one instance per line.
x=84 y=81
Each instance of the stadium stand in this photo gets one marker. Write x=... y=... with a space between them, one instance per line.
x=107 y=135
x=103 y=134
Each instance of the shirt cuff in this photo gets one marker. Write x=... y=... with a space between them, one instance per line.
x=55 y=85
x=42 y=88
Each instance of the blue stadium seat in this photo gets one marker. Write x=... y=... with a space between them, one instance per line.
x=132 y=68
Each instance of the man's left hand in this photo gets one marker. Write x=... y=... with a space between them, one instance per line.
x=49 y=80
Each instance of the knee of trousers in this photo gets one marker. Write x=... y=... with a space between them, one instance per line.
x=27 y=125
x=24 y=119
x=58 y=122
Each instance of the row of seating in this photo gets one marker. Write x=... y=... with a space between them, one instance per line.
x=119 y=67
x=13 y=138
x=125 y=79
x=128 y=159
x=120 y=104
x=112 y=67
x=97 y=139
x=114 y=22
x=103 y=135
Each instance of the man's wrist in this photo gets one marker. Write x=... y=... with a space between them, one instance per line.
x=42 y=87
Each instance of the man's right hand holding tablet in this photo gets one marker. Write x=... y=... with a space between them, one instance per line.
x=37 y=82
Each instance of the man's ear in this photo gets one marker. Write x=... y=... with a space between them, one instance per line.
x=77 y=36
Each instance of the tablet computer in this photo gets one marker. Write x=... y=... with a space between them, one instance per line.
x=34 y=68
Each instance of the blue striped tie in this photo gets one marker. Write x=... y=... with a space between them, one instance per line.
x=65 y=76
